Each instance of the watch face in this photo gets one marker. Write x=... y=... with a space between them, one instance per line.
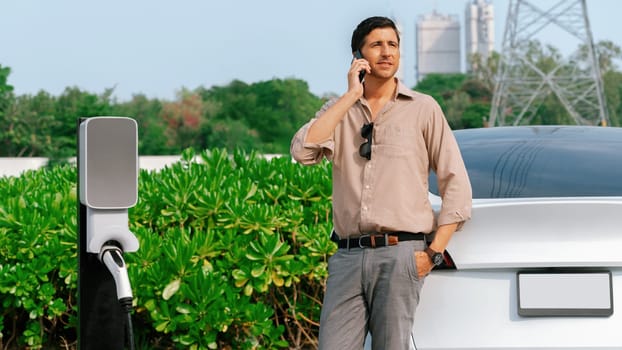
x=437 y=259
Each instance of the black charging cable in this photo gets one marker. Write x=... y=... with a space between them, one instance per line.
x=126 y=305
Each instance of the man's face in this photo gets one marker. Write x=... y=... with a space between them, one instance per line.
x=382 y=50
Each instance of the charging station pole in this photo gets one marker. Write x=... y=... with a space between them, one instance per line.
x=101 y=321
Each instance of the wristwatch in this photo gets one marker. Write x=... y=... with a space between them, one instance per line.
x=436 y=257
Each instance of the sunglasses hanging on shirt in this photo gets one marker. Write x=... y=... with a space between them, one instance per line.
x=365 y=148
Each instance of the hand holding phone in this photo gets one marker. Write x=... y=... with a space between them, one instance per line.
x=359 y=55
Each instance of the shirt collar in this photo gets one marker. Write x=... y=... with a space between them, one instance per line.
x=404 y=90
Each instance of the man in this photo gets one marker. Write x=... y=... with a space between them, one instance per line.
x=383 y=139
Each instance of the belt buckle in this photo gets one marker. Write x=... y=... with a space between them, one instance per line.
x=359 y=241
x=372 y=240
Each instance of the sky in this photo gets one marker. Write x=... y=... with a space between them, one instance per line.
x=159 y=47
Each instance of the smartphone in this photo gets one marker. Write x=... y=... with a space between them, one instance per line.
x=359 y=55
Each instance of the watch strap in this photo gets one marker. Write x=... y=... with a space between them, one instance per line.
x=436 y=257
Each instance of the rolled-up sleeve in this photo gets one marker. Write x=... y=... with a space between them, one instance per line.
x=453 y=180
x=312 y=153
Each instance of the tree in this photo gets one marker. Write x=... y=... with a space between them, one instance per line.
x=30 y=123
x=283 y=103
x=152 y=138
x=485 y=70
x=441 y=86
x=455 y=107
x=184 y=119
x=26 y=120
x=607 y=54
x=612 y=81
x=5 y=101
x=477 y=90
x=271 y=110
x=72 y=104
x=475 y=115
x=5 y=89
x=462 y=99
x=231 y=134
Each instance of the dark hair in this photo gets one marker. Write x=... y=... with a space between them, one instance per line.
x=369 y=24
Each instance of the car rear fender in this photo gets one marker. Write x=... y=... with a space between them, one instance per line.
x=539 y=232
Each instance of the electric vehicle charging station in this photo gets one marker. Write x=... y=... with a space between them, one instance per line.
x=107 y=187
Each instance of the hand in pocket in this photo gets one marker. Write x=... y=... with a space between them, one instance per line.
x=424 y=264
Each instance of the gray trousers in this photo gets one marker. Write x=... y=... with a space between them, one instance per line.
x=375 y=290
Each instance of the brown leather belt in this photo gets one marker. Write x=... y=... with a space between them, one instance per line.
x=375 y=240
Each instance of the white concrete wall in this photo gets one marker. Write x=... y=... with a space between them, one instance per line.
x=16 y=166
x=154 y=163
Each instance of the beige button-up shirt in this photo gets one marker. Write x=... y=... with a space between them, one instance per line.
x=390 y=191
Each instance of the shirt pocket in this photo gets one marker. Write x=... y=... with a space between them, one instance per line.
x=399 y=141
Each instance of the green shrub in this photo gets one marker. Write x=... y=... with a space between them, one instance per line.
x=38 y=257
x=233 y=254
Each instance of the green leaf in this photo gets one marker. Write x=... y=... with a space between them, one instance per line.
x=182 y=309
x=171 y=289
x=258 y=271
x=162 y=326
x=248 y=290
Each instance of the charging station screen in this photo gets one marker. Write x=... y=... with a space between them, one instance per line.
x=111 y=163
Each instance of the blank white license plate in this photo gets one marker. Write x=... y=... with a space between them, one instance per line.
x=565 y=294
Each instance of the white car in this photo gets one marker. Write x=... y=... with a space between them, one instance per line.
x=539 y=266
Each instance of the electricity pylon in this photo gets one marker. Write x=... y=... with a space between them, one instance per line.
x=522 y=85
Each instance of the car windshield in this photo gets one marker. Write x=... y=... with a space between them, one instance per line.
x=542 y=162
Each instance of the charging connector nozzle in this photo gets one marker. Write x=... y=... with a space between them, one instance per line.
x=112 y=256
